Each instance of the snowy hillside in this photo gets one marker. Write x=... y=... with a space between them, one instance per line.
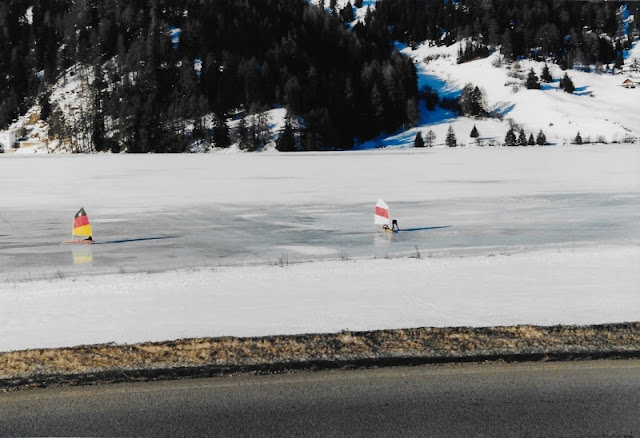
x=600 y=109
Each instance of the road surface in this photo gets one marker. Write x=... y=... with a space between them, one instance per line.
x=562 y=399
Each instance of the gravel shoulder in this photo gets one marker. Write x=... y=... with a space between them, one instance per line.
x=205 y=357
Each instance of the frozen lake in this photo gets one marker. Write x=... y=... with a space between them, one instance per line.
x=157 y=213
x=213 y=236
x=190 y=245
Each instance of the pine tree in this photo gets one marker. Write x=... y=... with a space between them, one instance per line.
x=262 y=133
x=287 y=141
x=507 y=46
x=522 y=138
x=510 y=138
x=474 y=132
x=413 y=112
x=619 y=60
x=532 y=81
x=221 y=132
x=567 y=84
x=578 y=139
x=531 y=141
x=472 y=101
x=243 y=135
x=430 y=138
x=541 y=139
x=546 y=74
x=451 y=140
x=418 y=142
x=347 y=14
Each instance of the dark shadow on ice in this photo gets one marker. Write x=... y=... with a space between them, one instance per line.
x=424 y=228
x=139 y=239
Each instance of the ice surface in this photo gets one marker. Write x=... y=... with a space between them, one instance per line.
x=250 y=244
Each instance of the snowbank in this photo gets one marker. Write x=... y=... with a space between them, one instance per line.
x=582 y=286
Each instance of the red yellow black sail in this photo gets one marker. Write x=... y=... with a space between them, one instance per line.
x=81 y=225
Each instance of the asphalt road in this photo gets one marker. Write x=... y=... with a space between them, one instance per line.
x=561 y=399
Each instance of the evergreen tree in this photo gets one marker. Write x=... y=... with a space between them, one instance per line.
x=546 y=74
x=221 y=137
x=262 y=134
x=286 y=142
x=474 y=132
x=532 y=81
x=531 y=141
x=98 y=129
x=243 y=136
x=507 y=45
x=347 y=14
x=472 y=101
x=510 y=138
x=619 y=60
x=418 y=142
x=578 y=139
x=541 y=139
x=451 y=140
x=412 y=112
x=430 y=138
x=567 y=84
x=522 y=138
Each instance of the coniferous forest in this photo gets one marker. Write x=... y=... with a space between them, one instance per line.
x=153 y=66
x=232 y=55
x=583 y=32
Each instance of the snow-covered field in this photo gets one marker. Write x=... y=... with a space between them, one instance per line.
x=257 y=244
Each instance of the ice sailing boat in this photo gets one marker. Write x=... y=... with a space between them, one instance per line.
x=81 y=228
x=381 y=217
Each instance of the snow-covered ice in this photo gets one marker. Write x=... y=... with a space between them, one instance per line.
x=257 y=244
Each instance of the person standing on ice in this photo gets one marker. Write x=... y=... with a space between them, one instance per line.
x=394 y=225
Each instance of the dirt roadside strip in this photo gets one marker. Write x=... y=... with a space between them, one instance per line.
x=200 y=357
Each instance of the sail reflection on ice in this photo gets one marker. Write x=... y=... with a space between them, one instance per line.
x=82 y=256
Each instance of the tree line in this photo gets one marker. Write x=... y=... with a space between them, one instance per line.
x=160 y=74
x=569 y=32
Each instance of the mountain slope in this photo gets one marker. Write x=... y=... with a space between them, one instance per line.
x=600 y=109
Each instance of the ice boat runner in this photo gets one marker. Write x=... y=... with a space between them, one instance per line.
x=381 y=217
x=81 y=228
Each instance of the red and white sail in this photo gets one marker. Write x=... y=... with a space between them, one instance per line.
x=381 y=216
